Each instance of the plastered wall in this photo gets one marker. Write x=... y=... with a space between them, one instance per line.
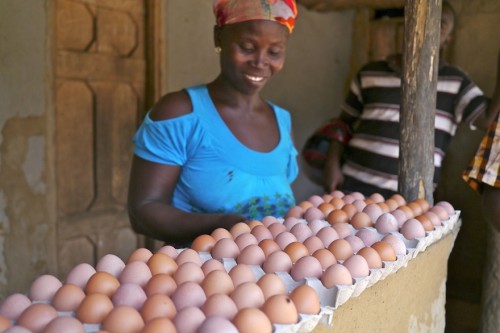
x=27 y=238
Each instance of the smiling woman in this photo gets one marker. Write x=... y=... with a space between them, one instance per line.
x=215 y=154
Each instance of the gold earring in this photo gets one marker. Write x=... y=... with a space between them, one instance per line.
x=218 y=49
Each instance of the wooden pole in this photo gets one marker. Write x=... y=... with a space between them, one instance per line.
x=420 y=64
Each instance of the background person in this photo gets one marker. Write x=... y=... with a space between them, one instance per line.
x=216 y=154
x=359 y=151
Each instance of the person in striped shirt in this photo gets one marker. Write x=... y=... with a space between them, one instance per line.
x=358 y=152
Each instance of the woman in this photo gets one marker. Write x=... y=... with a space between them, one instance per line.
x=216 y=154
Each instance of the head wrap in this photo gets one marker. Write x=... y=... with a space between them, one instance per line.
x=234 y=11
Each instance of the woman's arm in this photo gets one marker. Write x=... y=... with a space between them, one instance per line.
x=150 y=210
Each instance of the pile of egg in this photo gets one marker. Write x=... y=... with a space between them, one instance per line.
x=230 y=280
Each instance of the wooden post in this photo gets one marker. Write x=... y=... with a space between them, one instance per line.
x=420 y=64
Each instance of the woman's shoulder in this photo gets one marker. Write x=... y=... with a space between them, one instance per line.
x=172 y=105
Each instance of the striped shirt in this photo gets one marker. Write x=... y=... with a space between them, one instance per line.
x=371 y=156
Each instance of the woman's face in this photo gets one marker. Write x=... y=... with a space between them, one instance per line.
x=252 y=52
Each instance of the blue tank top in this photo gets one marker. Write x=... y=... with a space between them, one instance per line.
x=219 y=174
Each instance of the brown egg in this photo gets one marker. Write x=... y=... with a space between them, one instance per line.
x=280 y=309
x=399 y=199
x=296 y=250
x=217 y=282
x=203 y=243
x=426 y=222
x=80 y=274
x=271 y=284
x=350 y=209
x=136 y=272
x=305 y=204
x=37 y=316
x=5 y=324
x=408 y=211
x=188 y=255
x=371 y=256
x=385 y=208
x=424 y=204
x=326 y=208
x=278 y=261
x=325 y=258
x=102 y=283
x=296 y=211
x=225 y=248
x=341 y=249
x=64 y=324
x=220 y=233
x=212 y=265
x=337 y=216
x=238 y=229
x=261 y=233
x=307 y=266
x=327 y=235
x=159 y=325
x=129 y=294
x=377 y=197
x=361 y=220
x=415 y=207
x=219 y=305
x=217 y=324
x=269 y=246
x=253 y=223
x=385 y=251
x=337 y=203
x=158 y=305
x=327 y=197
x=400 y=216
x=188 y=294
x=140 y=254
x=44 y=287
x=161 y=263
x=241 y=273
x=160 y=284
x=109 y=263
x=169 y=250
x=391 y=204
x=336 y=274
x=189 y=319
x=316 y=200
x=123 y=319
x=94 y=308
x=247 y=294
x=251 y=320
x=12 y=306
x=188 y=271
x=306 y=299
x=68 y=298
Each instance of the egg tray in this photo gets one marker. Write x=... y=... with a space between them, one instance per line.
x=332 y=298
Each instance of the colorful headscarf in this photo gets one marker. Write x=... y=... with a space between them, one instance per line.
x=234 y=11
